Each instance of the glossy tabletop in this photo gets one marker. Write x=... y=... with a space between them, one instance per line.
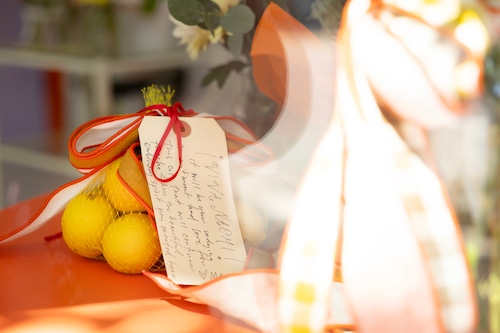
x=43 y=285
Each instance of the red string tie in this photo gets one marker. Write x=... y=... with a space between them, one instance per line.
x=174 y=124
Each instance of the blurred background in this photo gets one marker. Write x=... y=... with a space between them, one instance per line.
x=65 y=62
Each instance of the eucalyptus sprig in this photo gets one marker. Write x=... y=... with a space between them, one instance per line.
x=232 y=24
x=237 y=22
x=206 y=14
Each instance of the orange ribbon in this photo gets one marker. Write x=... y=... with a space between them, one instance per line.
x=102 y=140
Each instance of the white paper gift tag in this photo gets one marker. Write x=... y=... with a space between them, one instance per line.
x=195 y=212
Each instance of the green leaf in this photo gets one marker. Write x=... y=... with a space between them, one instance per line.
x=211 y=15
x=209 y=6
x=221 y=73
x=239 y=19
x=235 y=44
x=211 y=21
x=190 y=12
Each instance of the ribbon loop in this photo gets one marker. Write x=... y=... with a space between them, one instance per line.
x=174 y=124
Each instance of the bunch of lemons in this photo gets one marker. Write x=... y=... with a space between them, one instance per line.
x=108 y=221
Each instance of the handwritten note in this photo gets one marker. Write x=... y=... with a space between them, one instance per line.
x=194 y=212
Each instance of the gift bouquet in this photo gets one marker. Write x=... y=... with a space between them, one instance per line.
x=160 y=187
x=331 y=221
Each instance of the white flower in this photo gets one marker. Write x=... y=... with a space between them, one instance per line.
x=196 y=38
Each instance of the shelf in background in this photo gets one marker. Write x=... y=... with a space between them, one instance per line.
x=34 y=166
x=101 y=71
x=32 y=158
x=94 y=97
x=81 y=64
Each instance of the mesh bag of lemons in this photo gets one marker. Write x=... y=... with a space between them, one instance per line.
x=109 y=221
x=112 y=218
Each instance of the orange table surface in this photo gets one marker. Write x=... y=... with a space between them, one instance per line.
x=44 y=286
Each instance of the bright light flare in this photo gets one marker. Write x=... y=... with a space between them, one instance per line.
x=467 y=77
x=472 y=33
x=434 y=12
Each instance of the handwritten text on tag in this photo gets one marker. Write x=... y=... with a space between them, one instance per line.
x=194 y=212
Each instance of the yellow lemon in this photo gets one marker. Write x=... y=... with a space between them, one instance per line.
x=132 y=171
x=119 y=196
x=83 y=223
x=130 y=244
